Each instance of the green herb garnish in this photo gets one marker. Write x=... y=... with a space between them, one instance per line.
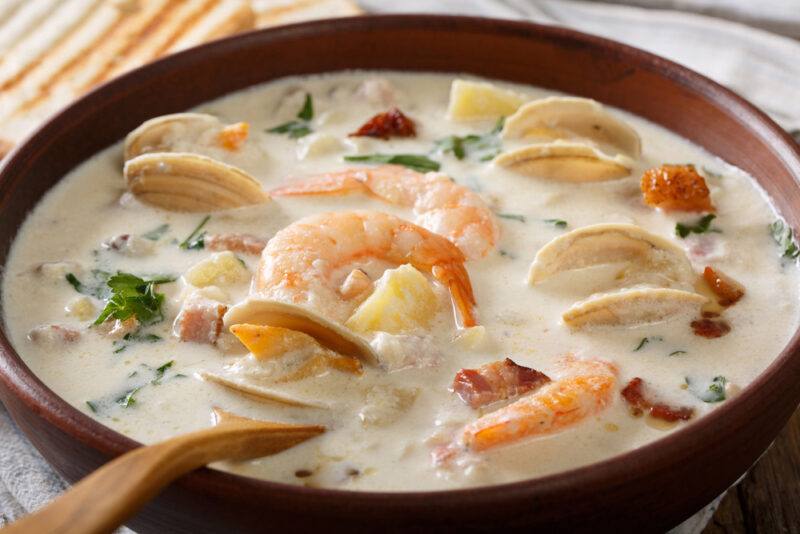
x=97 y=288
x=645 y=341
x=558 y=223
x=512 y=216
x=134 y=337
x=126 y=400
x=92 y=406
x=414 y=162
x=160 y=372
x=676 y=352
x=482 y=147
x=701 y=226
x=713 y=392
x=300 y=127
x=196 y=239
x=156 y=233
x=783 y=235
x=132 y=296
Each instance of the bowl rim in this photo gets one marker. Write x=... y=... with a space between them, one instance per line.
x=40 y=399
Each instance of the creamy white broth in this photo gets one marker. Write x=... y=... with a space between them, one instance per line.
x=522 y=321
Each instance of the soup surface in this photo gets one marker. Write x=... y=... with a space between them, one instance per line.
x=425 y=414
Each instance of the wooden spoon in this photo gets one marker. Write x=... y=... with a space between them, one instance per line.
x=105 y=499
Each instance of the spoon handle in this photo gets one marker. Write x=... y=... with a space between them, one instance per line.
x=112 y=494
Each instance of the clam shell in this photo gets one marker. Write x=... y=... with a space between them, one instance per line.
x=151 y=135
x=600 y=244
x=565 y=162
x=329 y=334
x=561 y=117
x=632 y=306
x=256 y=391
x=180 y=181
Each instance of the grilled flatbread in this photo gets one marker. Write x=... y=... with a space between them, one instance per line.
x=52 y=51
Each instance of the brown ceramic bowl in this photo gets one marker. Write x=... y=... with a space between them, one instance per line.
x=652 y=488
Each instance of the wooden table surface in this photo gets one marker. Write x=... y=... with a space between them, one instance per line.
x=768 y=499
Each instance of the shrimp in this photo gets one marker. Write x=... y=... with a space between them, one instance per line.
x=584 y=388
x=301 y=264
x=440 y=205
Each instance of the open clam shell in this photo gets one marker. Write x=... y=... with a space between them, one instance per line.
x=258 y=392
x=329 y=334
x=600 y=244
x=155 y=134
x=565 y=162
x=180 y=181
x=566 y=117
x=632 y=306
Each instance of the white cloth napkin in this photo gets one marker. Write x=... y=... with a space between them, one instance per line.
x=762 y=66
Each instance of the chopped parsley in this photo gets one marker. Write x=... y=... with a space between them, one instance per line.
x=558 y=223
x=92 y=406
x=506 y=254
x=713 y=392
x=127 y=399
x=156 y=233
x=134 y=337
x=300 y=127
x=783 y=235
x=97 y=288
x=414 y=162
x=645 y=341
x=482 y=147
x=196 y=239
x=132 y=296
x=677 y=352
x=701 y=226
x=160 y=372
x=512 y=216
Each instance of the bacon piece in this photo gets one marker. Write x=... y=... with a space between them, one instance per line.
x=676 y=187
x=392 y=123
x=496 y=381
x=53 y=334
x=635 y=396
x=710 y=328
x=233 y=136
x=200 y=320
x=728 y=290
x=244 y=243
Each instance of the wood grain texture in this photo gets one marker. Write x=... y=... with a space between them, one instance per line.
x=768 y=499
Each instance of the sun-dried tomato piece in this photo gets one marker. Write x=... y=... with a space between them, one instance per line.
x=392 y=123
x=676 y=187
x=728 y=290
x=710 y=328
x=495 y=381
x=635 y=396
x=233 y=136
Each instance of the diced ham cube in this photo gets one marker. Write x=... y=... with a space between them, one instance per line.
x=496 y=381
x=244 y=243
x=53 y=335
x=200 y=320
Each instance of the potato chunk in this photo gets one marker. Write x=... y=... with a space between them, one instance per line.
x=222 y=268
x=480 y=100
x=403 y=300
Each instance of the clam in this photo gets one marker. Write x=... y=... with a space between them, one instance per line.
x=257 y=391
x=614 y=243
x=560 y=117
x=275 y=313
x=632 y=306
x=155 y=134
x=565 y=161
x=190 y=182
